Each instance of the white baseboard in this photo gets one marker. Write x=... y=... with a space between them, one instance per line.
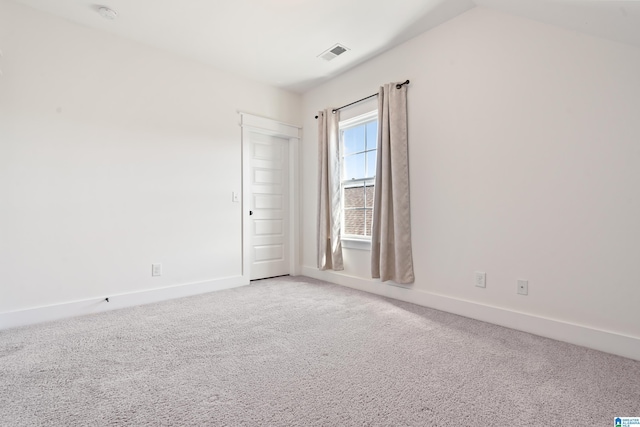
x=98 y=305
x=609 y=342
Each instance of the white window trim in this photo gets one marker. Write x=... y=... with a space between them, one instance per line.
x=358 y=120
x=352 y=241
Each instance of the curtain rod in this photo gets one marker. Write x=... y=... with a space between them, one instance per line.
x=398 y=86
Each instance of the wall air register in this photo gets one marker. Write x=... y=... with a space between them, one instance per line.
x=333 y=52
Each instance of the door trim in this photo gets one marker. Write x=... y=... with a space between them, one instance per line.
x=262 y=125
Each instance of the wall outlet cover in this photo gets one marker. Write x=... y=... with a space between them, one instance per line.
x=156 y=269
x=481 y=279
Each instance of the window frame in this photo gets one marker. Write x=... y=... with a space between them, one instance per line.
x=354 y=241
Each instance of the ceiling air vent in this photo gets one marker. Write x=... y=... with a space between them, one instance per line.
x=333 y=52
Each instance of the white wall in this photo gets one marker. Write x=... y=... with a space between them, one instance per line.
x=113 y=156
x=525 y=163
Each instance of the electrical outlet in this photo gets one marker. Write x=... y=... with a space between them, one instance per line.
x=481 y=279
x=156 y=269
x=523 y=287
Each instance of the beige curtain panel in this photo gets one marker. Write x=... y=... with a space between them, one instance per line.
x=329 y=203
x=391 y=256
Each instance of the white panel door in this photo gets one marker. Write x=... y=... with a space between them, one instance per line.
x=269 y=205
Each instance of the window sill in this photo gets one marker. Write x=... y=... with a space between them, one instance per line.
x=355 y=243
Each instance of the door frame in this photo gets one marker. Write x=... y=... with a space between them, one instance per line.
x=251 y=123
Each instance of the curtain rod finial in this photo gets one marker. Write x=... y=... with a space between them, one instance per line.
x=399 y=85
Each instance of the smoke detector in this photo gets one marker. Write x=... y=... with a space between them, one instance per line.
x=107 y=13
x=333 y=52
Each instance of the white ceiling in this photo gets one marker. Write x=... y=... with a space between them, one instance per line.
x=278 y=41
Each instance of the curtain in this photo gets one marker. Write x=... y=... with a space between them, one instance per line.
x=391 y=256
x=329 y=204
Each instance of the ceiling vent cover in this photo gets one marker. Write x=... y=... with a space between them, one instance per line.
x=333 y=52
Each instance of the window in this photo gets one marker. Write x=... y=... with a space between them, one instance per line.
x=358 y=144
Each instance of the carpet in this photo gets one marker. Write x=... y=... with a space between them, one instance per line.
x=301 y=352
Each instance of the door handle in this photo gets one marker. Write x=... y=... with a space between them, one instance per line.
x=250 y=212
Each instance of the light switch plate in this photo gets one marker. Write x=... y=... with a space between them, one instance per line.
x=523 y=287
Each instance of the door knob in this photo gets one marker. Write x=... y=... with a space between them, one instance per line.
x=250 y=212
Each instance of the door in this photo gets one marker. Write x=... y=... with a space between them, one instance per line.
x=269 y=206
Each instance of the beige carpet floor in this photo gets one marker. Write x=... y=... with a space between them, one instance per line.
x=299 y=352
